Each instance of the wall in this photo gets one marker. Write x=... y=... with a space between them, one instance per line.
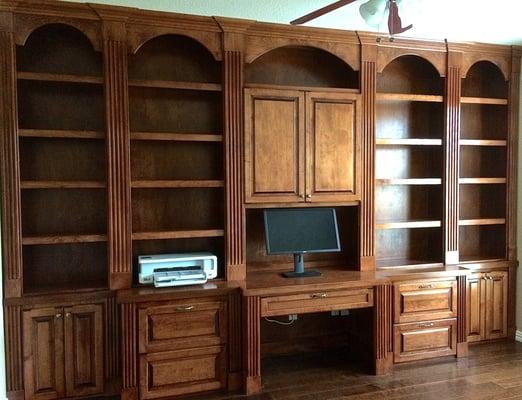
x=519 y=226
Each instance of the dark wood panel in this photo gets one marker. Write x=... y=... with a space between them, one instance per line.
x=483 y=162
x=475 y=303
x=482 y=201
x=403 y=202
x=482 y=242
x=483 y=121
x=420 y=244
x=485 y=79
x=496 y=304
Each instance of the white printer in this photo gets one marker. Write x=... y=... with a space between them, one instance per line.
x=177 y=269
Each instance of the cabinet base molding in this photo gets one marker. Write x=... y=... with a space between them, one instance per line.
x=129 y=394
x=252 y=385
x=16 y=395
x=462 y=349
x=384 y=366
x=518 y=336
x=367 y=263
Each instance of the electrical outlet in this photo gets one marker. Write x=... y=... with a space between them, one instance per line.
x=292 y=317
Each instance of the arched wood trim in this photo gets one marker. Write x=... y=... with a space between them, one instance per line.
x=503 y=69
x=437 y=60
x=27 y=27
x=252 y=57
x=211 y=41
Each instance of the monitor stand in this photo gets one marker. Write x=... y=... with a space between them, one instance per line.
x=299 y=271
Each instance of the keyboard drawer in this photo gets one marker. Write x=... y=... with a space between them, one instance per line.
x=316 y=301
x=182 y=325
x=422 y=340
x=425 y=300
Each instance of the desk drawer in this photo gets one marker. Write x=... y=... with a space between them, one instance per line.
x=425 y=300
x=422 y=340
x=316 y=301
x=180 y=372
x=182 y=325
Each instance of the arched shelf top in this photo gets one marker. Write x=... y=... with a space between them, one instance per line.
x=481 y=61
x=59 y=48
x=412 y=54
x=88 y=31
x=174 y=57
x=485 y=78
x=412 y=74
x=292 y=65
x=208 y=40
x=331 y=50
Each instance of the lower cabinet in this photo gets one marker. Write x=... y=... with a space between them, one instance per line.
x=487 y=303
x=183 y=347
x=63 y=351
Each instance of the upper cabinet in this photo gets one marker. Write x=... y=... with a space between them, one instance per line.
x=301 y=129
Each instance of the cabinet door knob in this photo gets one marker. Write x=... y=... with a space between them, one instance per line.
x=58 y=315
x=308 y=196
x=68 y=315
x=185 y=308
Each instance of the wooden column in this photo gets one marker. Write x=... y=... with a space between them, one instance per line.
x=382 y=327
x=512 y=155
x=9 y=162
x=451 y=159
x=112 y=334
x=252 y=345
x=367 y=213
x=118 y=155
x=462 y=338
x=13 y=352
x=235 y=247
x=234 y=341
x=129 y=354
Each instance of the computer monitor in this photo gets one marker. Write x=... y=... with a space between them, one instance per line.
x=301 y=230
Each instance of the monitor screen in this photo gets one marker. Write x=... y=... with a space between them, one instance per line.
x=301 y=230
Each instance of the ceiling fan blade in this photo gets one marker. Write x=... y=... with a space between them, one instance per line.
x=317 y=13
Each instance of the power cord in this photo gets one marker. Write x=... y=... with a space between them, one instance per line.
x=275 y=321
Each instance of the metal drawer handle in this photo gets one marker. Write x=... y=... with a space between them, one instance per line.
x=58 y=315
x=426 y=325
x=425 y=286
x=318 y=295
x=68 y=315
x=185 y=308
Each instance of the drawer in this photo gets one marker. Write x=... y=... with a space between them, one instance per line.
x=316 y=302
x=180 y=372
x=422 y=340
x=425 y=300
x=182 y=325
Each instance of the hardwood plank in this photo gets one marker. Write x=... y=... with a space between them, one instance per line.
x=176 y=137
x=39 y=76
x=207 y=87
x=409 y=181
x=203 y=233
x=482 y=142
x=303 y=88
x=158 y=184
x=467 y=181
x=405 y=263
x=61 y=239
x=62 y=185
x=410 y=97
x=50 y=133
x=482 y=100
x=407 y=224
x=482 y=221
x=408 y=142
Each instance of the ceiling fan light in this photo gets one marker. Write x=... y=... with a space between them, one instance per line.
x=373 y=12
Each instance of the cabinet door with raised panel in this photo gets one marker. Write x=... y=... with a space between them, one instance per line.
x=475 y=303
x=43 y=353
x=332 y=159
x=496 y=304
x=84 y=349
x=274 y=146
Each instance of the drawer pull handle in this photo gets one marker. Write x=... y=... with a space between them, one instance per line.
x=58 y=315
x=426 y=325
x=185 y=308
x=318 y=295
x=425 y=286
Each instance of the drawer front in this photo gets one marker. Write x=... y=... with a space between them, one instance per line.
x=423 y=301
x=316 y=302
x=180 y=372
x=422 y=340
x=182 y=326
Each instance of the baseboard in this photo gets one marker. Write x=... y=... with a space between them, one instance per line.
x=518 y=336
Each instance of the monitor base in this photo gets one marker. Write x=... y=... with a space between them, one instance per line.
x=304 y=274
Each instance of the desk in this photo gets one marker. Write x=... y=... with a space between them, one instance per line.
x=269 y=294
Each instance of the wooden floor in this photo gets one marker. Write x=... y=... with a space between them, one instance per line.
x=492 y=371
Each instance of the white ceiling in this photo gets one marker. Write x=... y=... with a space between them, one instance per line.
x=493 y=21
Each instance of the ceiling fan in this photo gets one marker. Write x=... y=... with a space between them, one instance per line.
x=372 y=12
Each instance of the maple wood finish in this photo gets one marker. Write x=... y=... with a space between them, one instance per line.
x=126 y=132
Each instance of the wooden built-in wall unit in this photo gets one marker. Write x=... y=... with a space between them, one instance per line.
x=127 y=132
